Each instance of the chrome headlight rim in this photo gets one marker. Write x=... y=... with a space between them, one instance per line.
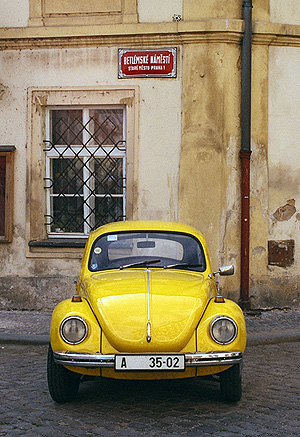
x=216 y=319
x=63 y=324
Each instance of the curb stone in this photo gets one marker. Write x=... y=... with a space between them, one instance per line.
x=23 y=339
x=287 y=336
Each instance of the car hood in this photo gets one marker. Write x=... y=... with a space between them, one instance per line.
x=126 y=301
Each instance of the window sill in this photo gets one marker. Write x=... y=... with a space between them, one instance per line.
x=59 y=243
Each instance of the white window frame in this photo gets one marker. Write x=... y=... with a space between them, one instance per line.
x=52 y=154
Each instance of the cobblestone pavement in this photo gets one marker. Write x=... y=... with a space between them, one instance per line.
x=270 y=405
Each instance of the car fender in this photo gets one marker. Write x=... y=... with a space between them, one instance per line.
x=228 y=308
x=65 y=309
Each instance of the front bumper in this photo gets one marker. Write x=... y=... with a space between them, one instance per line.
x=108 y=361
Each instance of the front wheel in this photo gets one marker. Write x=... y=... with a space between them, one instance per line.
x=231 y=383
x=62 y=383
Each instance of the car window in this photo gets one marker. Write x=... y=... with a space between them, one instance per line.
x=167 y=249
x=140 y=246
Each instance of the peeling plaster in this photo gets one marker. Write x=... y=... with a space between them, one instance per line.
x=284 y=213
x=258 y=250
x=4 y=91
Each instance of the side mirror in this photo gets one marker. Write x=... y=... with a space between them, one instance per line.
x=226 y=270
x=223 y=271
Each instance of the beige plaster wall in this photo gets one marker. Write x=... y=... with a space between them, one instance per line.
x=226 y=9
x=81 y=6
x=284 y=131
x=284 y=128
x=259 y=208
x=158 y=11
x=207 y=9
x=284 y=152
x=14 y=13
x=209 y=194
x=285 y=12
x=159 y=152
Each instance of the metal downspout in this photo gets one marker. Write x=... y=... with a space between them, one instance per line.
x=245 y=153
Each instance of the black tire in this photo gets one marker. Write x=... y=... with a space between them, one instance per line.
x=62 y=383
x=231 y=383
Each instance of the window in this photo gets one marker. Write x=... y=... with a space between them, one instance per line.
x=6 y=193
x=81 y=153
x=161 y=249
x=86 y=169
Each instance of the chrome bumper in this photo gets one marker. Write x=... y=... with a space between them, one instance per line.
x=104 y=361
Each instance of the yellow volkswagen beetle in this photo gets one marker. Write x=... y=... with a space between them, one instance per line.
x=146 y=307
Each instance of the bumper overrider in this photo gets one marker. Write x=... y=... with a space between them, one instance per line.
x=105 y=361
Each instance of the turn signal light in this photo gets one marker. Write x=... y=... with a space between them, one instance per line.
x=219 y=299
x=76 y=298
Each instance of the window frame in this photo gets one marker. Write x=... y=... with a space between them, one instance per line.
x=8 y=153
x=52 y=154
x=39 y=99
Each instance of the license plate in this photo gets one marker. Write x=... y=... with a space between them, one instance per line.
x=150 y=362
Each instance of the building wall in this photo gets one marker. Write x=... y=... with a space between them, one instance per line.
x=187 y=139
x=14 y=13
x=157 y=11
x=287 y=13
x=284 y=170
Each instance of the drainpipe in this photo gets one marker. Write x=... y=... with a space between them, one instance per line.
x=245 y=153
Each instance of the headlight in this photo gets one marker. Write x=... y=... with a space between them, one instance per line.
x=223 y=330
x=73 y=330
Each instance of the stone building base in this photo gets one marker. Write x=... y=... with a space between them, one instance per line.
x=35 y=293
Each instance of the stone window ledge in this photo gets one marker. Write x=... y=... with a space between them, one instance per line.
x=59 y=242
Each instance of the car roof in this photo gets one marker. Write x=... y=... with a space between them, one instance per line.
x=145 y=225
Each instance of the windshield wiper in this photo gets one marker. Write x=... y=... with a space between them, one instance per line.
x=140 y=264
x=172 y=266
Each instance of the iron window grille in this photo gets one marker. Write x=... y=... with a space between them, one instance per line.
x=85 y=179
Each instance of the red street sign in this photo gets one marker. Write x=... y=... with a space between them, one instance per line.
x=147 y=63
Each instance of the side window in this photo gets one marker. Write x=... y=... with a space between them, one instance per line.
x=6 y=193
x=85 y=169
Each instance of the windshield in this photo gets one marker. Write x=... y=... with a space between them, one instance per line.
x=143 y=249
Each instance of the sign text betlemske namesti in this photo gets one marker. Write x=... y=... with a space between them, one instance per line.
x=147 y=63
